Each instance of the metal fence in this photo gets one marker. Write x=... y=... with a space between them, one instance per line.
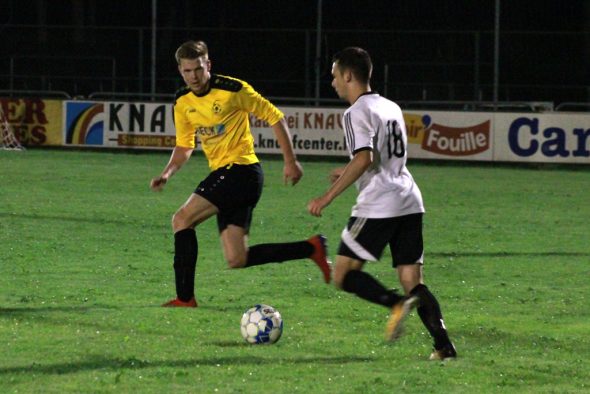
x=409 y=65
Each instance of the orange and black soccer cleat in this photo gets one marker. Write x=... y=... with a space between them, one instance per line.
x=445 y=353
x=399 y=312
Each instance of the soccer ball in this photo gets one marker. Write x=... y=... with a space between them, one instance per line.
x=261 y=324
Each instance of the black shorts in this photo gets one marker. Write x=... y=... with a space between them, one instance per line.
x=365 y=239
x=235 y=190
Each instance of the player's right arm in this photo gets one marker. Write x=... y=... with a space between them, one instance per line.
x=180 y=155
x=185 y=143
x=361 y=161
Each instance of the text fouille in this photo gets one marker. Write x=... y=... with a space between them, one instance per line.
x=457 y=141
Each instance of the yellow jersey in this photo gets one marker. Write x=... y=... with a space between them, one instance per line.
x=219 y=118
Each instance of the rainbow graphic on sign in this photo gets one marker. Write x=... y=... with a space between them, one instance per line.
x=84 y=123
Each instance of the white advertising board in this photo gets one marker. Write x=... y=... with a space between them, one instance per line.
x=542 y=138
x=481 y=136
x=314 y=131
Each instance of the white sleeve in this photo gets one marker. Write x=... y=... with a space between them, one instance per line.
x=358 y=131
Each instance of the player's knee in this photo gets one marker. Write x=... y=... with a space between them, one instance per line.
x=339 y=274
x=175 y=220
x=236 y=261
x=409 y=283
x=179 y=221
x=410 y=276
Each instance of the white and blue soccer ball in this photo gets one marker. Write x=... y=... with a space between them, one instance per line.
x=261 y=324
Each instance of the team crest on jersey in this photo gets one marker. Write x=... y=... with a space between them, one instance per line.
x=216 y=107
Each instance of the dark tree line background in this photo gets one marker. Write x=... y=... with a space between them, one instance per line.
x=434 y=50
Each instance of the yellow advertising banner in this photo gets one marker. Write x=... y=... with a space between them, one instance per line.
x=35 y=121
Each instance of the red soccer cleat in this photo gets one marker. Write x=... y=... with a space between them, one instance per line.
x=319 y=255
x=177 y=302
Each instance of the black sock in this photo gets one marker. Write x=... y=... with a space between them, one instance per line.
x=368 y=288
x=279 y=252
x=429 y=312
x=185 y=261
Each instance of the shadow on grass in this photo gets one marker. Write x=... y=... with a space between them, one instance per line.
x=508 y=254
x=47 y=309
x=117 y=364
x=229 y=344
x=28 y=216
x=26 y=310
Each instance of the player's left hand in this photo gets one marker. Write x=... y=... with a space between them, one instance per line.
x=292 y=172
x=315 y=206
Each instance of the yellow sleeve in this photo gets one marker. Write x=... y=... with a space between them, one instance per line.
x=251 y=101
x=185 y=134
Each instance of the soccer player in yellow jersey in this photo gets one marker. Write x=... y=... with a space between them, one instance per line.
x=215 y=110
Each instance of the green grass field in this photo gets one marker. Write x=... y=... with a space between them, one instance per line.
x=86 y=260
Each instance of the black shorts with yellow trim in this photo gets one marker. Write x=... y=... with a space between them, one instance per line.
x=235 y=190
x=364 y=239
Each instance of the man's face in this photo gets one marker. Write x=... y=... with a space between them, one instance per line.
x=196 y=73
x=338 y=81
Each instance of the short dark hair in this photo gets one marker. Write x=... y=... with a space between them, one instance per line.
x=357 y=60
x=191 y=50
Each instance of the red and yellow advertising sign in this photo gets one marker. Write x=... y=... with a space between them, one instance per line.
x=449 y=135
x=35 y=121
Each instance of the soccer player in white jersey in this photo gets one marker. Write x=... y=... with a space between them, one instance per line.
x=389 y=207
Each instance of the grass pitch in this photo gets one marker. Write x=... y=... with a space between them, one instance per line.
x=86 y=260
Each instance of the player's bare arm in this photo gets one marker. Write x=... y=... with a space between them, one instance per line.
x=349 y=174
x=293 y=170
x=178 y=157
x=335 y=174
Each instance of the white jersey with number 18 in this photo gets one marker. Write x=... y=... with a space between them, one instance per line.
x=386 y=189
